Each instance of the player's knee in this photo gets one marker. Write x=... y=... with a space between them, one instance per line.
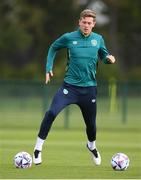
x=51 y=115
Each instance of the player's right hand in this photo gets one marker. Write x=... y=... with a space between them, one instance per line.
x=48 y=76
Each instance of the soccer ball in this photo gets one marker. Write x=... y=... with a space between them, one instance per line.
x=23 y=160
x=120 y=161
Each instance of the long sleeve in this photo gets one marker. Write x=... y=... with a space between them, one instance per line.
x=103 y=52
x=57 y=45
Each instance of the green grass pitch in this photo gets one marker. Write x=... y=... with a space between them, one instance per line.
x=65 y=155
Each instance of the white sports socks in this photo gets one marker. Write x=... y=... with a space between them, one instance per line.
x=39 y=144
x=92 y=145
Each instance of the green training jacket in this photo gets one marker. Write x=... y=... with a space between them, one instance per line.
x=83 y=55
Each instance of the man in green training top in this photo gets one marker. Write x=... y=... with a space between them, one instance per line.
x=85 y=48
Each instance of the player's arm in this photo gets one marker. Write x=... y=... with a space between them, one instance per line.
x=57 y=45
x=104 y=54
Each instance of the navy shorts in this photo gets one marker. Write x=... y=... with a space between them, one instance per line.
x=84 y=97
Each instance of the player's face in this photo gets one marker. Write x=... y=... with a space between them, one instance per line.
x=86 y=25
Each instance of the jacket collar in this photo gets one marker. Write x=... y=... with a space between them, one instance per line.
x=81 y=33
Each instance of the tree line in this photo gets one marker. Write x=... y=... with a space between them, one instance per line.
x=28 y=27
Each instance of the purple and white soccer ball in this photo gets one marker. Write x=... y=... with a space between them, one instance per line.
x=23 y=160
x=120 y=162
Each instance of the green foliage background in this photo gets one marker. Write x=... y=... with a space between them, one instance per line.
x=29 y=27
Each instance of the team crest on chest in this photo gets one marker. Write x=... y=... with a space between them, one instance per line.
x=94 y=42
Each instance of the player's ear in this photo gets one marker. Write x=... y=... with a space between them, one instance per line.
x=94 y=23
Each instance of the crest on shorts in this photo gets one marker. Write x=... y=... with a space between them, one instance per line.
x=93 y=100
x=65 y=91
x=94 y=42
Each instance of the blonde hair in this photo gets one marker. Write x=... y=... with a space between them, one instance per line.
x=88 y=13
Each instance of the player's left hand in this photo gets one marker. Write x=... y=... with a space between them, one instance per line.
x=111 y=59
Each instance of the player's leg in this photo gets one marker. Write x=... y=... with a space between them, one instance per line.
x=88 y=108
x=61 y=99
x=59 y=102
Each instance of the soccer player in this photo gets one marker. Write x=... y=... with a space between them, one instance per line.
x=85 y=48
